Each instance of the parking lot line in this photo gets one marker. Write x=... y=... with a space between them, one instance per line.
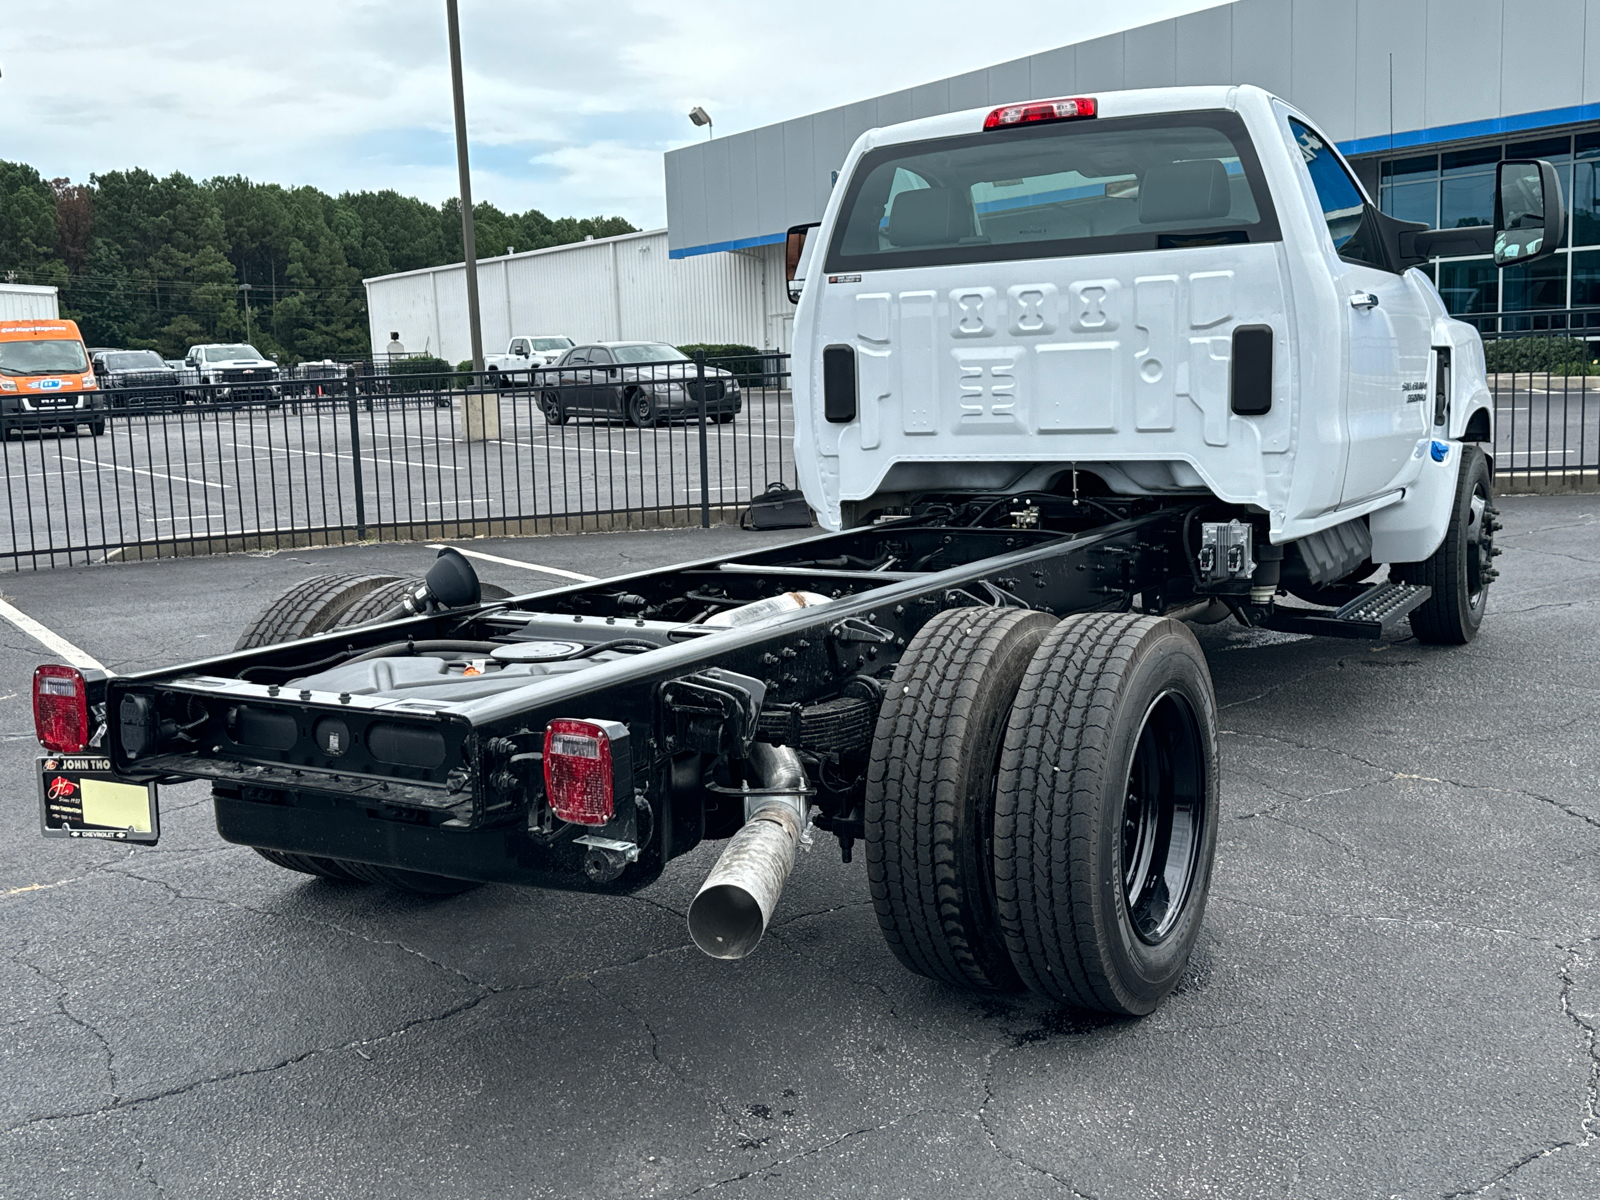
x=142 y=471
x=48 y=638
x=516 y=562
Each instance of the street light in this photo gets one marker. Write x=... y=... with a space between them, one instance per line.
x=245 y=288
x=701 y=117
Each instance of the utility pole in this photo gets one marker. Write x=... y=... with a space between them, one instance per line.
x=468 y=238
x=245 y=288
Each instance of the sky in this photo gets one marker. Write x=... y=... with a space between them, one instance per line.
x=569 y=106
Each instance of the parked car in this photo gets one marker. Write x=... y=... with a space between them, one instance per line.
x=46 y=380
x=233 y=372
x=529 y=351
x=135 y=378
x=639 y=382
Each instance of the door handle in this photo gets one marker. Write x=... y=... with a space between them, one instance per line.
x=1365 y=300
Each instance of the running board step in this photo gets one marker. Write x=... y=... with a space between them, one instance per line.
x=1370 y=615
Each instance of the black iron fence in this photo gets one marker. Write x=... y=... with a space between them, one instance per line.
x=344 y=454
x=333 y=453
x=1544 y=373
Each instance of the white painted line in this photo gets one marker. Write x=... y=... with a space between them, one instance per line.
x=142 y=471
x=47 y=638
x=515 y=562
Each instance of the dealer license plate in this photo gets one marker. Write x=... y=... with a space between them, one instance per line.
x=79 y=797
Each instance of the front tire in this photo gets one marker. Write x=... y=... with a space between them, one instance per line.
x=1461 y=569
x=555 y=412
x=1106 y=812
x=930 y=793
x=641 y=410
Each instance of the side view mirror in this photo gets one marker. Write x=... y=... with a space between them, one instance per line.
x=1529 y=215
x=793 y=251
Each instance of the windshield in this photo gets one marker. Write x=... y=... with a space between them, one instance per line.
x=647 y=352
x=53 y=357
x=225 y=353
x=134 y=360
x=552 y=343
x=1084 y=187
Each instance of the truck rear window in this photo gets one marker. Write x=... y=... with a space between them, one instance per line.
x=1073 y=188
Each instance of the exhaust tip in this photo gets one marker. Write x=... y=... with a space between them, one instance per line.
x=726 y=921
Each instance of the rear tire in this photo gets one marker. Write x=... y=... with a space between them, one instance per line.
x=309 y=607
x=1461 y=569
x=555 y=413
x=417 y=883
x=1106 y=812
x=930 y=793
x=97 y=428
x=308 y=864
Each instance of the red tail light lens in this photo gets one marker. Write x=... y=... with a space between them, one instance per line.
x=578 y=771
x=1036 y=111
x=61 y=709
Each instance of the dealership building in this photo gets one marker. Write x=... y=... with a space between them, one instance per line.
x=1423 y=97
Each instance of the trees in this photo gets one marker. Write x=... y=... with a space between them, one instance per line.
x=156 y=263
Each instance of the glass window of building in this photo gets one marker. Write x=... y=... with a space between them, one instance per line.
x=1409 y=189
x=1534 y=286
x=1466 y=194
x=1470 y=286
x=1585 y=195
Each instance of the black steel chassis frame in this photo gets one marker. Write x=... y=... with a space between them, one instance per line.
x=468 y=801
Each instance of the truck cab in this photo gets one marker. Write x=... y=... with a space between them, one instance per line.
x=1168 y=292
x=530 y=351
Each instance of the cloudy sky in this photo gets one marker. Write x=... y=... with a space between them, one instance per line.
x=569 y=106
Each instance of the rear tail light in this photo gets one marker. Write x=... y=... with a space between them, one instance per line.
x=61 y=709
x=1037 y=111
x=585 y=764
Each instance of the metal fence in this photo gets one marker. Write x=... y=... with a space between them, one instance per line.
x=345 y=455
x=336 y=453
x=1546 y=401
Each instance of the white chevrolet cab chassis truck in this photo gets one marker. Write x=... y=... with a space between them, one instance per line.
x=1068 y=374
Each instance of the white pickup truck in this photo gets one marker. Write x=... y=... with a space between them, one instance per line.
x=529 y=351
x=1179 y=293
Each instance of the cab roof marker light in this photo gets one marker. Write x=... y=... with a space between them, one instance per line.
x=1036 y=112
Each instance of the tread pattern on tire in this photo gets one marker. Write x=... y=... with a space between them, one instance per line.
x=1438 y=620
x=310 y=606
x=1047 y=818
x=418 y=883
x=307 y=864
x=912 y=794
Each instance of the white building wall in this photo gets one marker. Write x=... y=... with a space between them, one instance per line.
x=24 y=302
x=613 y=289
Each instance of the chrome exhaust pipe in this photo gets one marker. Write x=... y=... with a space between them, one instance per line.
x=731 y=911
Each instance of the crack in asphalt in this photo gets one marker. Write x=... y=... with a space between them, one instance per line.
x=804 y=1154
x=1395 y=776
x=993 y=1136
x=61 y=1007
x=1589 y=1123
x=1382 y=919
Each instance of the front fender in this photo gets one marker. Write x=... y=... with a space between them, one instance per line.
x=1414 y=528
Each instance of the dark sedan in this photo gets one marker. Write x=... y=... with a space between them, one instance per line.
x=642 y=383
x=136 y=379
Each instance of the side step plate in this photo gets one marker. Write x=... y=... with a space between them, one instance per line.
x=1370 y=615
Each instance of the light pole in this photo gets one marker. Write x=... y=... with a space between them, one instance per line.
x=245 y=288
x=468 y=237
x=701 y=117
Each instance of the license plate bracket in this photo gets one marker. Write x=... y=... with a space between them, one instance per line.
x=80 y=797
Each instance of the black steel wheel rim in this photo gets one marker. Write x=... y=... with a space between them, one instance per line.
x=1163 y=817
x=642 y=411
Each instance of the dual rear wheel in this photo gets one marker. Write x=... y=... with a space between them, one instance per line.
x=1041 y=805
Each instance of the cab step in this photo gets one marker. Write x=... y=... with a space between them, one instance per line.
x=1370 y=615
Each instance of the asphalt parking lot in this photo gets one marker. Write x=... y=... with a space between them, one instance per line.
x=1396 y=994
x=204 y=473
